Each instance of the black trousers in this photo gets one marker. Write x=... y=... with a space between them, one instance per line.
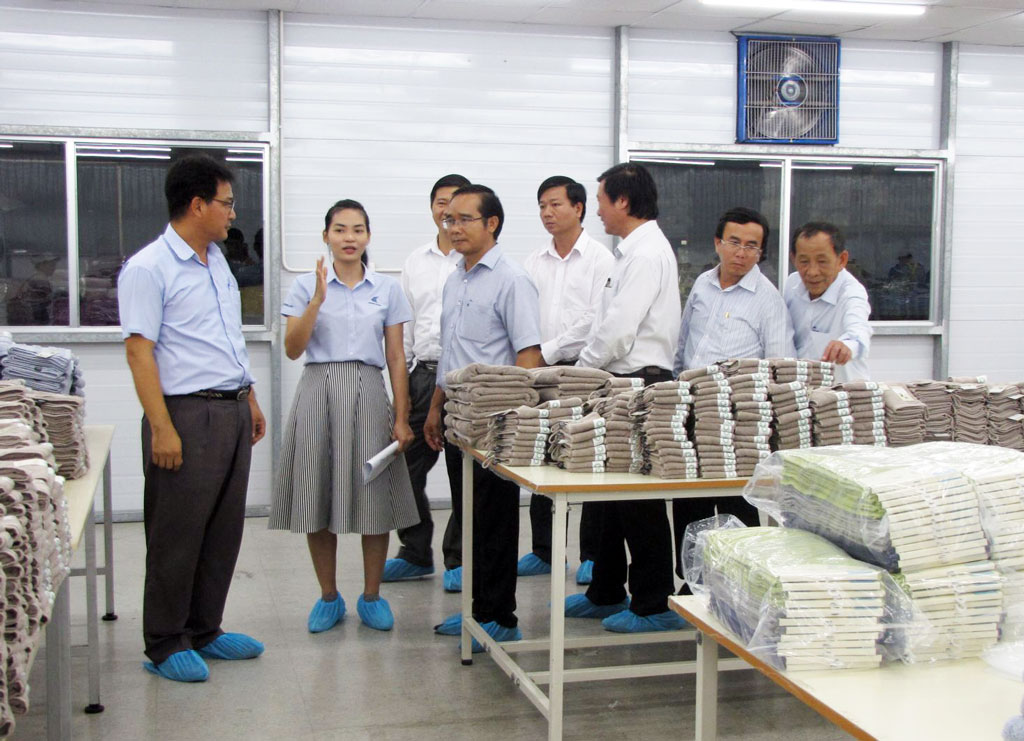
x=541 y=515
x=643 y=526
x=193 y=523
x=495 y=538
x=417 y=540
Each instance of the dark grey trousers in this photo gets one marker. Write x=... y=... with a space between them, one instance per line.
x=193 y=521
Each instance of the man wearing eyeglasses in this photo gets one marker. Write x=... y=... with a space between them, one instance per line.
x=489 y=314
x=180 y=312
x=733 y=311
x=423 y=277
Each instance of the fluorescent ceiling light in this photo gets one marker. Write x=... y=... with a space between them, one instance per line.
x=914 y=169
x=674 y=161
x=4 y=145
x=822 y=167
x=120 y=156
x=242 y=159
x=120 y=148
x=771 y=164
x=822 y=6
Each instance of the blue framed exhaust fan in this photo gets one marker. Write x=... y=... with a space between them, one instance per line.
x=788 y=90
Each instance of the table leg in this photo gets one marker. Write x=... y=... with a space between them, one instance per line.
x=556 y=656
x=108 y=542
x=467 y=556
x=92 y=621
x=707 y=689
x=58 y=668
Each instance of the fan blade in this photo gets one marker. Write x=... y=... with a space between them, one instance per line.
x=786 y=123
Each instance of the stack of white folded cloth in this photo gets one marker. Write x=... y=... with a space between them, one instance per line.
x=833 y=417
x=565 y=381
x=905 y=415
x=970 y=422
x=17 y=405
x=579 y=445
x=868 y=409
x=519 y=437
x=666 y=445
x=812 y=372
x=713 y=421
x=477 y=391
x=623 y=450
x=64 y=418
x=792 y=418
x=938 y=398
x=53 y=369
x=752 y=411
x=1003 y=412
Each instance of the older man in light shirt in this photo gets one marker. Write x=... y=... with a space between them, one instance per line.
x=828 y=306
x=570 y=271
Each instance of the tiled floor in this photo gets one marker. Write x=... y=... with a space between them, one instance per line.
x=356 y=683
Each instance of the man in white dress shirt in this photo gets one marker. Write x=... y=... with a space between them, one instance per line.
x=423 y=277
x=570 y=272
x=633 y=333
x=733 y=311
x=828 y=306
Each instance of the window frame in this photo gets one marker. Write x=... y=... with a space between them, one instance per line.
x=74 y=331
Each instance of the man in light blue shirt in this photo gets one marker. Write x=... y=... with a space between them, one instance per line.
x=180 y=315
x=490 y=314
x=829 y=307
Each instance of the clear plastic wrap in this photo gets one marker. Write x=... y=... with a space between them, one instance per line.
x=881 y=505
x=796 y=600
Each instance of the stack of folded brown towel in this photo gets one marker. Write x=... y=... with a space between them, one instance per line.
x=64 y=418
x=1003 y=412
x=938 y=397
x=833 y=419
x=791 y=415
x=713 y=421
x=477 y=391
x=666 y=445
x=868 y=409
x=519 y=437
x=812 y=372
x=970 y=422
x=566 y=381
x=617 y=408
x=753 y=413
x=904 y=415
x=579 y=445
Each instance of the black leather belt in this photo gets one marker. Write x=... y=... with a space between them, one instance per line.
x=229 y=395
x=430 y=366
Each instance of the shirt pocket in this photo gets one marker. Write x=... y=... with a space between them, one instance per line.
x=480 y=323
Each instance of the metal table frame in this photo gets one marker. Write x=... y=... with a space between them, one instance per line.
x=563 y=489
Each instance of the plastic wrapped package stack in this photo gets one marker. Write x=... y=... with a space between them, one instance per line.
x=64 y=418
x=566 y=381
x=752 y=411
x=939 y=400
x=477 y=391
x=622 y=448
x=519 y=437
x=665 y=410
x=713 y=421
x=1003 y=413
x=868 y=409
x=832 y=417
x=792 y=425
x=905 y=415
x=579 y=445
x=53 y=369
x=796 y=600
x=970 y=422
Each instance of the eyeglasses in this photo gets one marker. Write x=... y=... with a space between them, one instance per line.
x=449 y=222
x=230 y=204
x=748 y=250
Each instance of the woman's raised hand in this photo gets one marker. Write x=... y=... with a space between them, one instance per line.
x=321 y=282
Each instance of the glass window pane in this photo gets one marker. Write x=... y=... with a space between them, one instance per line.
x=691 y=198
x=885 y=212
x=33 y=234
x=121 y=208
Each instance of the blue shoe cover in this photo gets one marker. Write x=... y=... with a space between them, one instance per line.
x=450 y=626
x=325 y=615
x=499 y=633
x=580 y=606
x=232 y=647
x=585 y=573
x=398 y=569
x=453 y=580
x=628 y=621
x=183 y=666
x=532 y=565
x=375 y=614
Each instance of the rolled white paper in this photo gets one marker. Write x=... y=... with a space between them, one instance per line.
x=376 y=465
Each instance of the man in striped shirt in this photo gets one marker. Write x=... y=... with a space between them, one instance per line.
x=733 y=311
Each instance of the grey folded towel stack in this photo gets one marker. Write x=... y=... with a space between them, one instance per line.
x=519 y=437
x=617 y=405
x=970 y=422
x=563 y=381
x=477 y=391
x=905 y=415
x=938 y=398
x=868 y=408
x=714 y=422
x=668 y=448
x=579 y=445
x=812 y=372
x=752 y=410
x=1003 y=412
x=791 y=415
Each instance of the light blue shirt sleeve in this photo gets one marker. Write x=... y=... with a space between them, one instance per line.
x=522 y=313
x=140 y=303
x=777 y=330
x=684 y=327
x=399 y=310
x=298 y=297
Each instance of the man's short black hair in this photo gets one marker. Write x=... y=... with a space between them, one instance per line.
x=490 y=205
x=573 y=190
x=742 y=215
x=633 y=181
x=812 y=228
x=193 y=175
x=448 y=181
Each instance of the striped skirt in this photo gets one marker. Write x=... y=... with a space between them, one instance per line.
x=341 y=416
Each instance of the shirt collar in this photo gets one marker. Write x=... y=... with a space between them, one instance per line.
x=180 y=247
x=831 y=294
x=369 y=276
x=634 y=236
x=489 y=260
x=579 y=246
x=748 y=282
